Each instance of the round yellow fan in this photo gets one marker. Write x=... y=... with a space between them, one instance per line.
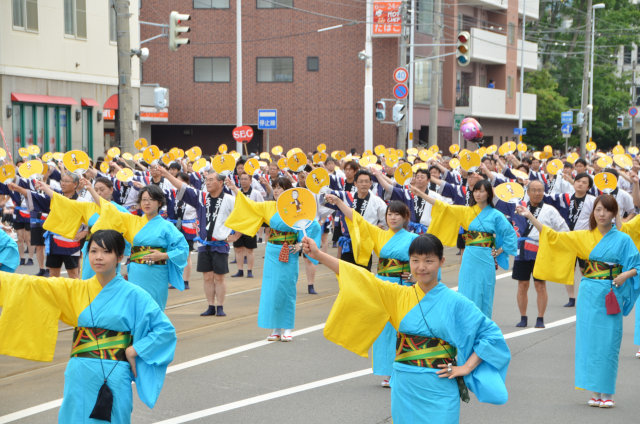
x=605 y=182
x=403 y=173
x=251 y=166
x=317 y=179
x=114 y=152
x=454 y=163
x=572 y=157
x=151 y=155
x=470 y=161
x=624 y=161
x=31 y=169
x=320 y=157
x=283 y=164
x=140 y=143
x=555 y=167
x=194 y=153
x=277 y=150
x=7 y=173
x=591 y=146
x=321 y=147
x=222 y=148
x=509 y=192
x=297 y=162
x=604 y=161
x=454 y=148
x=223 y=164
x=76 y=161
x=124 y=175
x=34 y=150
x=297 y=208
x=507 y=148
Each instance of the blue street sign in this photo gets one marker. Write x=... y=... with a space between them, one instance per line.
x=566 y=117
x=566 y=128
x=267 y=119
x=516 y=131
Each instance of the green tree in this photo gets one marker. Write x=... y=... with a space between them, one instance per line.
x=550 y=104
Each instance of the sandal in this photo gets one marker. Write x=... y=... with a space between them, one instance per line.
x=273 y=338
x=607 y=403
x=286 y=338
x=594 y=402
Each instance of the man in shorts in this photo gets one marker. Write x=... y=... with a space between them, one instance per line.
x=245 y=245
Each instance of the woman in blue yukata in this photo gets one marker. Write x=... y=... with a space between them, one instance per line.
x=120 y=336
x=610 y=277
x=489 y=240
x=446 y=346
x=392 y=247
x=277 y=309
x=159 y=250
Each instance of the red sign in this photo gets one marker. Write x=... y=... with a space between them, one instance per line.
x=109 y=115
x=400 y=75
x=243 y=134
x=400 y=91
x=387 y=20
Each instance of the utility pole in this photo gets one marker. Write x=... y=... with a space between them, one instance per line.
x=585 y=80
x=401 y=137
x=434 y=103
x=633 y=103
x=524 y=28
x=126 y=118
x=412 y=76
x=238 y=70
x=368 y=79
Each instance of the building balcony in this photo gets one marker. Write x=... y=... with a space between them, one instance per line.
x=488 y=47
x=489 y=4
x=533 y=9
x=530 y=55
x=491 y=103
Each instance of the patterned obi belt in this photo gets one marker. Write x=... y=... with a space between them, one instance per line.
x=428 y=352
x=100 y=343
x=597 y=270
x=479 y=238
x=282 y=237
x=139 y=252
x=392 y=267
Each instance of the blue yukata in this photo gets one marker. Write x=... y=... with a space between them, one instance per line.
x=598 y=335
x=37 y=303
x=9 y=254
x=477 y=276
x=366 y=304
x=388 y=246
x=87 y=271
x=278 y=295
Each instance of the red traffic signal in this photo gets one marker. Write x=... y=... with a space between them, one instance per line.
x=463 y=47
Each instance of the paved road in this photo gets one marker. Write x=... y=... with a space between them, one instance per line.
x=225 y=371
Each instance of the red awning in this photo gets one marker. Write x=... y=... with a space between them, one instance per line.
x=111 y=103
x=84 y=101
x=38 y=98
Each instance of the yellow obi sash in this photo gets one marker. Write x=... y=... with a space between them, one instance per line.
x=100 y=343
x=428 y=352
x=139 y=252
x=479 y=238
x=282 y=237
x=392 y=267
x=597 y=270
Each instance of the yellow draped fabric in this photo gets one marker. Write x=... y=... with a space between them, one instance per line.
x=66 y=215
x=365 y=238
x=364 y=306
x=124 y=222
x=556 y=260
x=446 y=220
x=632 y=228
x=32 y=307
x=248 y=216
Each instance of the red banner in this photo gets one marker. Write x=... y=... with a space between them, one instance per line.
x=387 y=20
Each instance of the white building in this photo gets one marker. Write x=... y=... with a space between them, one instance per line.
x=628 y=63
x=58 y=67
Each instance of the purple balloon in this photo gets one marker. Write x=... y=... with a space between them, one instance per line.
x=471 y=129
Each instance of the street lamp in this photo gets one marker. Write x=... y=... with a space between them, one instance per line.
x=593 y=30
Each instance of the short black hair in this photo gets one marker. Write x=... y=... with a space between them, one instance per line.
x=487 y=187
x=282 y=182
x=175 y=165
x=613 y=171
x=426 y=244
x=183 y=177
x=580 y=161
x=583 y=175
x=363 y=172
x=109 y=240
x=424 y=171
x=155 y=193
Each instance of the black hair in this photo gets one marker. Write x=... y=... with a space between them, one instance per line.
x=329 y=159
x=426 y=244
x=401 y=208
x=528 y=161
x=487 y=187
x=434 y=167
x=282 y=182
x=183 y=176
x=103 y=180
x=155 y=193
x=581 y=161
x=175 y=165
x=424 y=171
x=240 y=161
x=109 y=240
x=353 y=165
x=362 y=172
x=568 y=165
x=583 y=175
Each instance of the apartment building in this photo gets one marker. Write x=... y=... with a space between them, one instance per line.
x=628 y=63
x=58 y=68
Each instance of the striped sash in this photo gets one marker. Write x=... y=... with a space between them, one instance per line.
x=479 y=238
x=139 y=252
x=100 y=343
x=392 y=267
x=597 y=270
x=282 y=237
x=428 y=352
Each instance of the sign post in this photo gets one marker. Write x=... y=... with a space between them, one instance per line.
x=243 y=135
x=267 y=120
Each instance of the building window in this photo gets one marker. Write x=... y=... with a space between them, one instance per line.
x=511 y=33
x=210 y=4
x=211 y=69
x=422 y=81
x=113 y=36
x=627 y=54
x=25 y=14
x=313 y=63
x=75 y=18
x=274 y=69
x=424 y=22
x=42 y=124
x=274 y=4
x=510 y=87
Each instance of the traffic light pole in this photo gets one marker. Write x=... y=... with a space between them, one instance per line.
x=412 y=78
x=585 y=80
x=435 y=70
x=126 y=119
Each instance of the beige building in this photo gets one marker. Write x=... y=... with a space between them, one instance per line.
x=58 y=67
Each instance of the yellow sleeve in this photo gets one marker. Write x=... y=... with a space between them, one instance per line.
x=363 y=307
x=446 y=221
x=365 y=238
x=557 y=252
x=248 y=216
x=632 y=228
x=124 y=222
x=66 y=215
x=32 y=307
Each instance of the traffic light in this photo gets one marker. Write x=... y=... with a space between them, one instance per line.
x=580 y=119
x=463 y=49
x=620 y=121
x=176 y=29
x=381 y=111
x=398 y=112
